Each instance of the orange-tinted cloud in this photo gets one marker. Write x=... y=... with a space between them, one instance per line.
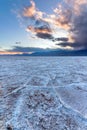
x=42 y=29
x=32 y=11
x=43 y=32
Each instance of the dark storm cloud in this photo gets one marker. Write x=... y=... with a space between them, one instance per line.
x=75 y=21
x=79 y=30
x=40 y=29
x=68 y=44
x=43 y=31
x=44 y=36
x=64 y=39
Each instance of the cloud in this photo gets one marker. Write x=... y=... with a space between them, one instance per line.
x=64 y=39
x=72 y=16
x=69 y=15
x=32 y=11
x=68 y=44
x=17 y=42
x=43 y=31
x=79 y=30
x=41 y=28
x=74 y=19
x=62 y=17
x=45 y=36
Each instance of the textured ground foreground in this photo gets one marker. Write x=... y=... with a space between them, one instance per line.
x=43 y=93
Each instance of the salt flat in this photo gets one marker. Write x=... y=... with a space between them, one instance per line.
x=43 y=93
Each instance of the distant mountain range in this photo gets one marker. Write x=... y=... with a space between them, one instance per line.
x=56 y=53
x=61 y=53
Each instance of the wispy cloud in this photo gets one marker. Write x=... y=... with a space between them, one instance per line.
x=32 y=11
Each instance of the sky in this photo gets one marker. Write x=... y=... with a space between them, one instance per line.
x=27 y=26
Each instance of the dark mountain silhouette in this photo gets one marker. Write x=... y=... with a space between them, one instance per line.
x=61 y=53
x=55 y=53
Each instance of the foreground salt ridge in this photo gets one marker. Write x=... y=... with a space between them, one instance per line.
x=42 y=103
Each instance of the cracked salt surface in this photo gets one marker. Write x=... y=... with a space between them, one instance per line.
x=43 y=93
x=75 y=97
